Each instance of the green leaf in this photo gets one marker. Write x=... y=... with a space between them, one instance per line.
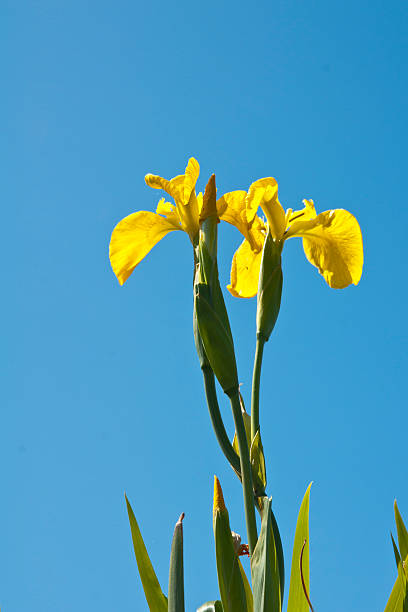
x=258 y=465
x=176 y=574
x=395 y=602
x=155 y=598
x=279 y=551
x=211 y=606
x=396 y=552
x=247 y=587
x=297 y=601
x=266 y=581
x=402 y=532
x=398 y=600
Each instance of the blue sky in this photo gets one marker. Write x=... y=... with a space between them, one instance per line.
x=102 y=388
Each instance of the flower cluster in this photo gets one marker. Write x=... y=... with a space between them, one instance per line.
x=332 y=240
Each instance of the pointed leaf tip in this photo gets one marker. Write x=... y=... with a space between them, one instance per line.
x=402 y=532
x=155 y=598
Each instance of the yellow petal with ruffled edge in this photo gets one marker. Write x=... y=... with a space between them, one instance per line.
x=308 y=212
x=133 y=238
x=246 y=264
x=333 y=243
x=169 y=211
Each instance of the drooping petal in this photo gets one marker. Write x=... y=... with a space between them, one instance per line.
x=333 y=243
x=246 y=264
x=133 y=238
x=256 y=194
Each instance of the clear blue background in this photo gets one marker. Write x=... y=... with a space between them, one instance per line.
x=102 y=389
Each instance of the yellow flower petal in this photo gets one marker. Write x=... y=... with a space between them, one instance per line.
x=308 y=212
x=246 y=264
x=133 y=238
x=189 y=216
x=191 y=177
x=231 y=208
x=169 y=211
x=333 y=243
x=157 y=182
x=275 y=215
x=179 y=187
x=200 y=202
x=175 y=188
x=256 y=195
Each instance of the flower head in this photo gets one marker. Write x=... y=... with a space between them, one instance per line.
x=136 y=234
x=332 y=240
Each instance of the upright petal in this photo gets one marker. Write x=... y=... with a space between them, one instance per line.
x=246 y=264
x=191 y=177
x=333 y=243
x=256 y=194
x=175 y=188
x=275 y=214
x=189 y=216
x=133 y=238
x=231 y=208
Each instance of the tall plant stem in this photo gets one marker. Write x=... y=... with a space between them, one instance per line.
x=245 y=472
x=217 y=422
x=256 y=380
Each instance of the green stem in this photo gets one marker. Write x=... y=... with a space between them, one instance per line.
x=256 y=379
x=217 y=422
x=245 y=472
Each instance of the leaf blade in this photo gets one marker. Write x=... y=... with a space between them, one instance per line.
x=266 y=582
x=155 y=598
x=297 y=601
x=176 y=572
x=402 y=533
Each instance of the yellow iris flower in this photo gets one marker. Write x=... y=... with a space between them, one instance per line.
x=332 y=240
x=136 y=234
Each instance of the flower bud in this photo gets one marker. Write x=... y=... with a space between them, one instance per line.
x=270 y=287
